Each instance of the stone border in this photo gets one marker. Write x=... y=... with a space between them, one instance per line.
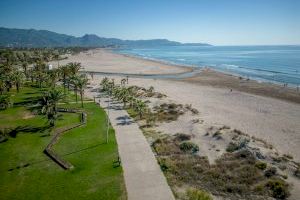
x=50 y=152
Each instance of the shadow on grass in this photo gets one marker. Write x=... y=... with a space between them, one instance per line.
x=12 y=132
x=28 y=101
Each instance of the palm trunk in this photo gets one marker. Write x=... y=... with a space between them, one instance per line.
x=64 y=83
x=18 y=87
x=76 y=96
x=81 y=96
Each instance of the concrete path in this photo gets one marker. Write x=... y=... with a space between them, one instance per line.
x=144 y=179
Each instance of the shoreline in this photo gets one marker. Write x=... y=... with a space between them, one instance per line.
x=263 y=88
x=108 y=62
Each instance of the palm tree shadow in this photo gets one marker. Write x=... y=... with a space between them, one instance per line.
x=28 y=101
x=27 y=129
x=124 y=120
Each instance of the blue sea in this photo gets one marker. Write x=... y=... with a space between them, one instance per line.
x=278 y=64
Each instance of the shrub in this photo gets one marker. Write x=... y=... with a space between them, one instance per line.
x=163 y=165
x=288 y=156
x=189 y=147
x=270 y=172
x=278 y=188
x=232 y=147
x=297 y=172
x=182 y=137
x=198 y=194
x=261 y=165
x=217 y=135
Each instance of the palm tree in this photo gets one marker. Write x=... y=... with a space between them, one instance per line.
x=5 y=102
x=56 y=57
x=53 y=77
x=74 y=81
x=140 y=107
x=65 y=73
x=39 y=71
x=18 y=79
x=49 y=105
x=74 y=68
x=81 y=84
x=25 y=68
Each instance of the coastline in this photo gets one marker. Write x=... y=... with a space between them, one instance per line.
x=261 y=110
x=165 y=70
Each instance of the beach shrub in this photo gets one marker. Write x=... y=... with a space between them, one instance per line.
x=288 y=156
x=165 y=147
x=198 y=194
x=163 y=165
x=182 y=137
x=232 y=146
x=261 y=165
x=297 y=172
x=218 y=135
x=271 y=172
x=278 y=188
x=189 y=147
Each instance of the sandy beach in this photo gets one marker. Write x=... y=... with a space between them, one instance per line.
x=100 y=60
x=265 y=111
x=247 y=107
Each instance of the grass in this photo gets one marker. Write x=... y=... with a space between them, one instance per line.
x=27 y=173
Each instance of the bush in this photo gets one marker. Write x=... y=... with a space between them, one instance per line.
x=232 y=147
x=198 y=194
x=270 y=172
x=182 y=137
x=163 y=165
x=217 y=135
x=261 y=165
x=189 y=147
x=297 y=172
x=278 y=188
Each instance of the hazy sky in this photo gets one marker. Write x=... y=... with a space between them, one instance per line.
x=219 y=22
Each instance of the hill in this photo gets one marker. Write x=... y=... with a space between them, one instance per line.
x=43 y=38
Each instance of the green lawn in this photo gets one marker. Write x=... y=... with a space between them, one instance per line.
x=95 y=175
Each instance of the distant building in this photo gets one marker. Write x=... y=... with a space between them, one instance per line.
x=50 y=67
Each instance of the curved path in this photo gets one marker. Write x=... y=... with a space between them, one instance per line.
x=144 y=179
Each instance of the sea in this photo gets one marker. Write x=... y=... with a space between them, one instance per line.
x=277 y=64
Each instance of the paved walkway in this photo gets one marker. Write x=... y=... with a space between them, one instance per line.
x=144 y=179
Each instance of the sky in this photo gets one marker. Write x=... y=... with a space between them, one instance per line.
x=218 y=22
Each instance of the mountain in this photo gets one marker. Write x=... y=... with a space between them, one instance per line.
x=43 y=38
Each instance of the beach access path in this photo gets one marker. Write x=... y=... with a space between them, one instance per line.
x=143 y=176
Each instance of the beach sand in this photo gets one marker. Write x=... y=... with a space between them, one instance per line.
x=250 y=106
x=266 y=111
x=103 y=60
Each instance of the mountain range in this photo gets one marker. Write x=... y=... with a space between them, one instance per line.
x=12 y=37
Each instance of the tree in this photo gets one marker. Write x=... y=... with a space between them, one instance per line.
x=48 y=104
x=5 y=102
x=65 y=73
x=74 y=68
x=56 y=57
x=140 y=107
x=39 y=71
x=53 y=77
x=81 y=84
x=18 y=79
x=74 y=81
x=25 y=68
